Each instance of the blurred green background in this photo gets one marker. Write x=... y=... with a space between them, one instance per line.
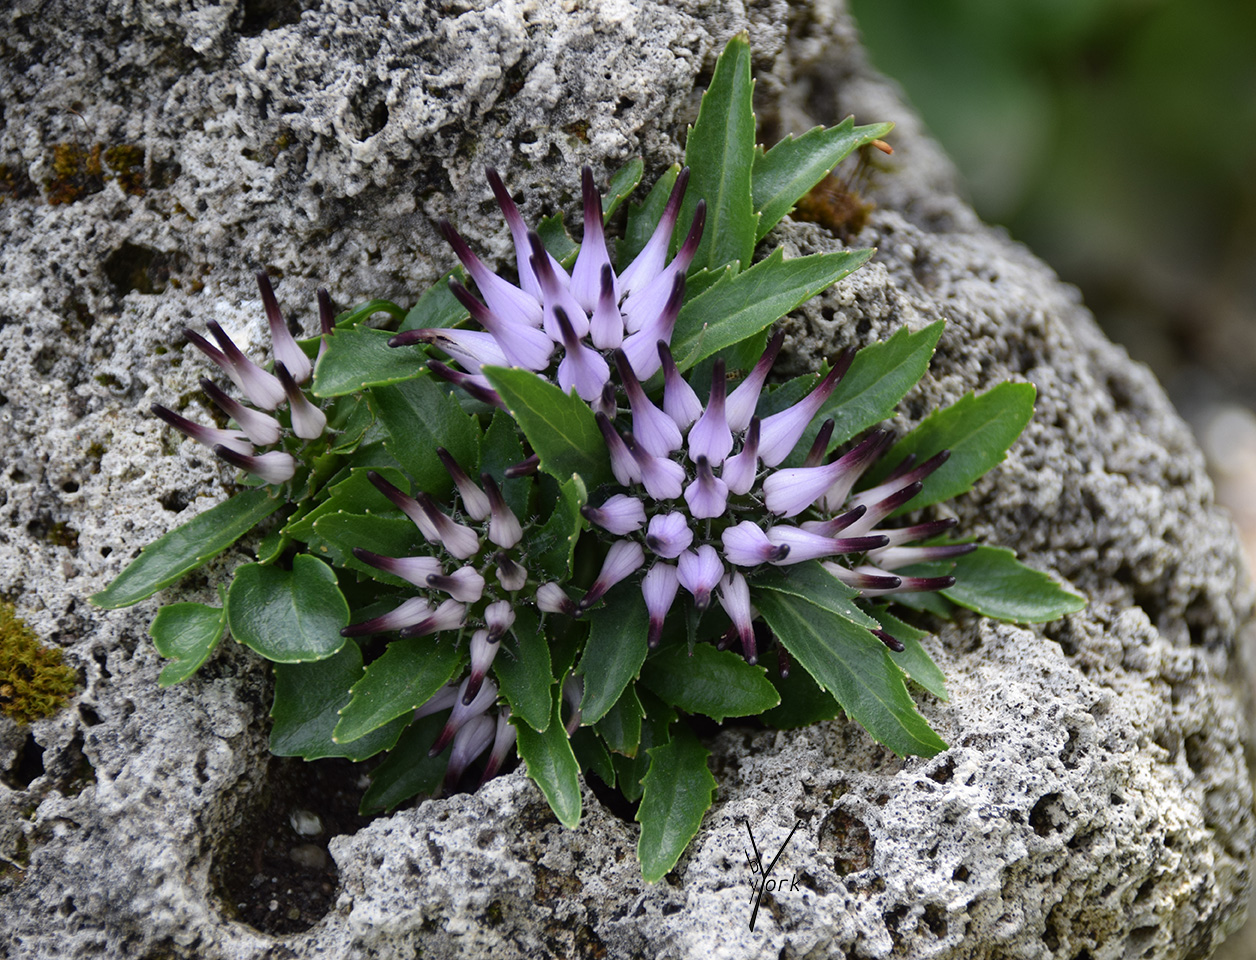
x=1117 y=138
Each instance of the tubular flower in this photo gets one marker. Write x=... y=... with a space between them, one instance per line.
x=265 y=391
x=708 y=490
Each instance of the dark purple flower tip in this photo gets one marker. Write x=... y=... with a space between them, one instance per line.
x=408 y=612
x=210 y=351
x=504 y=528
x=742 y=402
x=815 y=456
x=326 y=315
x=923 y=584
x=524 y=468
x=860 y=544
x=287 y=351
x=261 y=428
x=209 y=436
x=889 y=641
x=831 y=528
x=408 y=338
x=262 y=388
x=467 y=382
x=474 y=501
x=308 y=421
x=274 y=467
x=464 y=712
x=783 y=662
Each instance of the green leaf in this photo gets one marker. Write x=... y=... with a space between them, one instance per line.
x=524 y=672
x=812 y=582
x=185 y=548
x=720 y=155
x=621 y=725
x=308 y=697
x=354 y=494
x=500 y=449
x=878 y=378
x=554 y=235
x=420 y=416
x=623 y=182
x=678 y=791
x=187 y=634
x=559 y=426
x=913 y=660
x=614 y=652
x=717 y=683
x=407 y=770
x=438 y=307
x=592 y=755
x=360 y=357
x=551 y=762
x=356 y=314
x=655 y=727
x=855 y=667
x=406 y=676
x=336 y=534
x=792 y=167
x=644 y=217
x=288 y=616
x=739 y=307
x=803 y=702
x=992 y=582
x=555 y=544
x=976 y=429
x=926 y=601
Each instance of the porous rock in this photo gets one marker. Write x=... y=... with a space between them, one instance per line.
x=1094 y=801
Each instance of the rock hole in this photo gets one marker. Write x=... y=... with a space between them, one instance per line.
x=935 y=920
x=1196 y=746
x=1047 y=815
x=848 y=839
x=1140 y=941
x=961 y=873
x=267 y=874
x=175 y=501
x=263 y=15
x=28 y=765
x=142 y=269
x=943 y=772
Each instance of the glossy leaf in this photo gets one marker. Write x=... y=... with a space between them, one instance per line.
x=552 y=764
x=554 y=235
x=879 y=377
x=559 y=426
x=307 y=698
x=741 y=306
x=404 y=677
x=592 y=755
x=524 y=672
x=812 y=582
x=336 y=534
x=976 y=429
x=420 y=416
x=803 y=701
x=362 y=311
x=185 y=548
x=716 y=683
x=991 y=581
x=913 y=660
x=621 y=185
x=614 y=652
x=186 y=633
x=645 y=216
x=855 y=667
x=360 y=357
x=794 y=165
x=655 y=730
x=288 y=616
x=407 y=770
x=437 y=307
x=620 y=727
x=353 y=494
x=678 y=791
x=720 y=155
x=555 y=544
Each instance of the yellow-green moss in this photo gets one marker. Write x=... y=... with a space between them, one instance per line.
x=34 y=683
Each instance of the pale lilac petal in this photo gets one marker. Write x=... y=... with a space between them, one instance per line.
x=551 y=598
x=662 y=478
x=286 y=350
x=520 y=344
x=707 y=496
x=414 y=569
x=586 y=275
x=735 y=599
x=273 y=467
x=407 y=613
x=780 y=432
x=573 y=693
x=475 y=385
x=743 y=401
x=835 y=525
x=606 y=326
x=680 y=402
x=482 y=649
x=867 y=580
x=442 y=699
x=746 y=545
x=623 y=463
x=647 y=303
x=622 y=559
x=641 y=347
x=649 y=263
x=669 y=535
x=407 y=505
x=658 y=587
x=891 y=558
x=919 y=531
x=581 y=367
x=699 y=571
x=856 y=460
x=209 y=436
x=877 y=512
x=465 y=584
x=787 y=493
x=510 y=575
x=606 y=404
x=503 y=298
x=740 y=470
x=518 y=233
x=308 y=421
x=503 y=743
x=805 y=545
x=503 y=526
x=465 y=709
x=261 y=428
x=474 y=500
x=710 y=437
x=469 y=742
x=263 y=389
x=461 y=541
x=500 y=617
x=619 y=515
x=470 y=348
x=654 y=430
x=555 y=295
x=900 y=480
x=448 y=616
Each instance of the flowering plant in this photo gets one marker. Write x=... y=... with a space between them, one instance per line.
x=559 y=528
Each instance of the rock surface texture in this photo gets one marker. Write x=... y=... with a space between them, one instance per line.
x=153 y=153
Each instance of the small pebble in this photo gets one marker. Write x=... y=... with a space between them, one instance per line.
x=306 y=823
x=309 y=855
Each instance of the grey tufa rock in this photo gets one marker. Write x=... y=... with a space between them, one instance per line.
x=1095 y=800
